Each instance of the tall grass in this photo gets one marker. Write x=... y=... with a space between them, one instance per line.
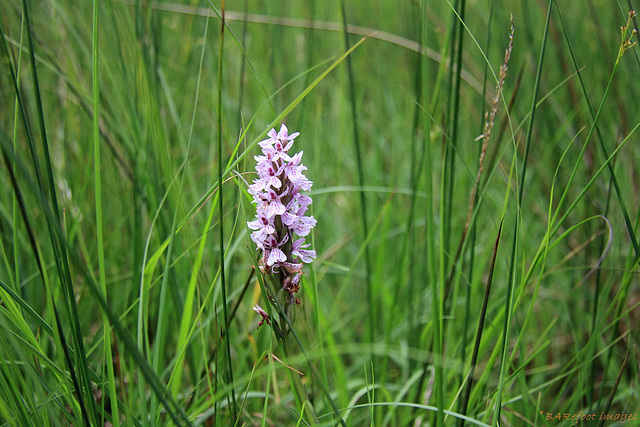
x=461 y=278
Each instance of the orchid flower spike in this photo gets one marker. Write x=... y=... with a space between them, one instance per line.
x=281 y=223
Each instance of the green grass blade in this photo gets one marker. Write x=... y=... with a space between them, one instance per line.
x=191 y=288
x=225 y=329
x=480 y=328
x=359 y=162
x=97 y=167
x=512 y=263
x=174 y=411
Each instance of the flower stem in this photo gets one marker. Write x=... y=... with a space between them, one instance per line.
x=299 y=392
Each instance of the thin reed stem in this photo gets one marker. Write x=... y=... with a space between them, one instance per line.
x=97 y=167
x=372 y=311
x=514 y=247
x=227 y=337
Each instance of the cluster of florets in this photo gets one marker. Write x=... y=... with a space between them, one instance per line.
x=281 y=224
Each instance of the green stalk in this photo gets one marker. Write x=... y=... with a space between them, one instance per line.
x=14 y=201
x=363 y=205
x=409 y=243
x=437 y=295
x=174 y=411
x=595 y=116
x=447 y=190
x=283 y=329
x=594 y=317
x=97 y=166
x=483 y=312
x=163 y=312
x=299 y=391
x=431 y=227
x=472 y=231
x=613 y=180
x=512 y=268
x=607 y=406
x=313 y=369
x=227 y=338
x=186 y=318
x=243 y=63
x=59 y=249
x=452 y=145
x=10 y=160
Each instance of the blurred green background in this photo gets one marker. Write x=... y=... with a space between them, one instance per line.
x=392 y=138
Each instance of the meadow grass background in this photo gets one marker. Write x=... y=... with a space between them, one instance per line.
x=119 y=121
